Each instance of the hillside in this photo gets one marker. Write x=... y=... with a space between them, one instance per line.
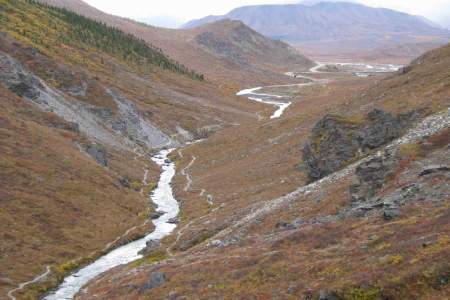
x=235 y=42
x=336 y=26
x=252 y=227
x=245 y=63
x=143 y=163
x=83 y=106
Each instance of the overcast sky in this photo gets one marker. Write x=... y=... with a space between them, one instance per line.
x=165 y=12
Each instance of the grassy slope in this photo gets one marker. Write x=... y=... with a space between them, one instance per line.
x=165 y=95
x=259 y=162
x=57 y=203
x=182 y=46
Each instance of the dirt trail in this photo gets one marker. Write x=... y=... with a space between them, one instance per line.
x=22 y=285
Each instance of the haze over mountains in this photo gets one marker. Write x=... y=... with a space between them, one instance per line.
x=335 y=25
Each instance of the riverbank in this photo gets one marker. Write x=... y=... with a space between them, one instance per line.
x=163 y=198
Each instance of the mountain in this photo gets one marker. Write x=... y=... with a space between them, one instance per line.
x=235 y=42
x=335 y=25
x=245 y=62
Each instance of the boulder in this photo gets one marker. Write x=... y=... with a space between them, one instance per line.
x=150 y=247
x=98 y=153
x=174 y=220
x=156 y=215
x=156 y=279
x=216 y=244
x=297 y=223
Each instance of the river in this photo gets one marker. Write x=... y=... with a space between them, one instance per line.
x=163 y=197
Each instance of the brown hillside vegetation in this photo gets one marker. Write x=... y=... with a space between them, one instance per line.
x=246 y=246
x=345 y=196
x=55 y=200
x=234 y=54
x=59 y=206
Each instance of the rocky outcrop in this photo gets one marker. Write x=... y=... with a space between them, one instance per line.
x=130 y=123
x=121 y=131
x=381 y=128
x=333 y=143
x=98 y=153
x=18 y=80
x=370 y=176
x=336 y=141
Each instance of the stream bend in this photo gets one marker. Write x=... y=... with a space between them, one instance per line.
x=165 y=202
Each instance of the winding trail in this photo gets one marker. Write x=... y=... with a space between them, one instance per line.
x=165 y=201
x=24 y=284
x=184 y=172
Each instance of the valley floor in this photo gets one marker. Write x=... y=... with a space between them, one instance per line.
x=233 y=242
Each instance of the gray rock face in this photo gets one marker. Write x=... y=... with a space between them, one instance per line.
x=130 y=123
x=124 y=132
x=14 y=76
x=430 y=184
x=156 y=279
x=381 y=129
x=18 y=80
x=333 y=143
x=98 y=153
x=370 y=178
x=336 y=141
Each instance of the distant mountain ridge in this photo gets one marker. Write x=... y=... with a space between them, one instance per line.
x=236 y=51
x=358 y=25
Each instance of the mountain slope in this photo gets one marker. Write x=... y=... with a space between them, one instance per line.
x=83 y=106
x=358 y=26
x=376 y=229
x=185 y=46
x=235 y=42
